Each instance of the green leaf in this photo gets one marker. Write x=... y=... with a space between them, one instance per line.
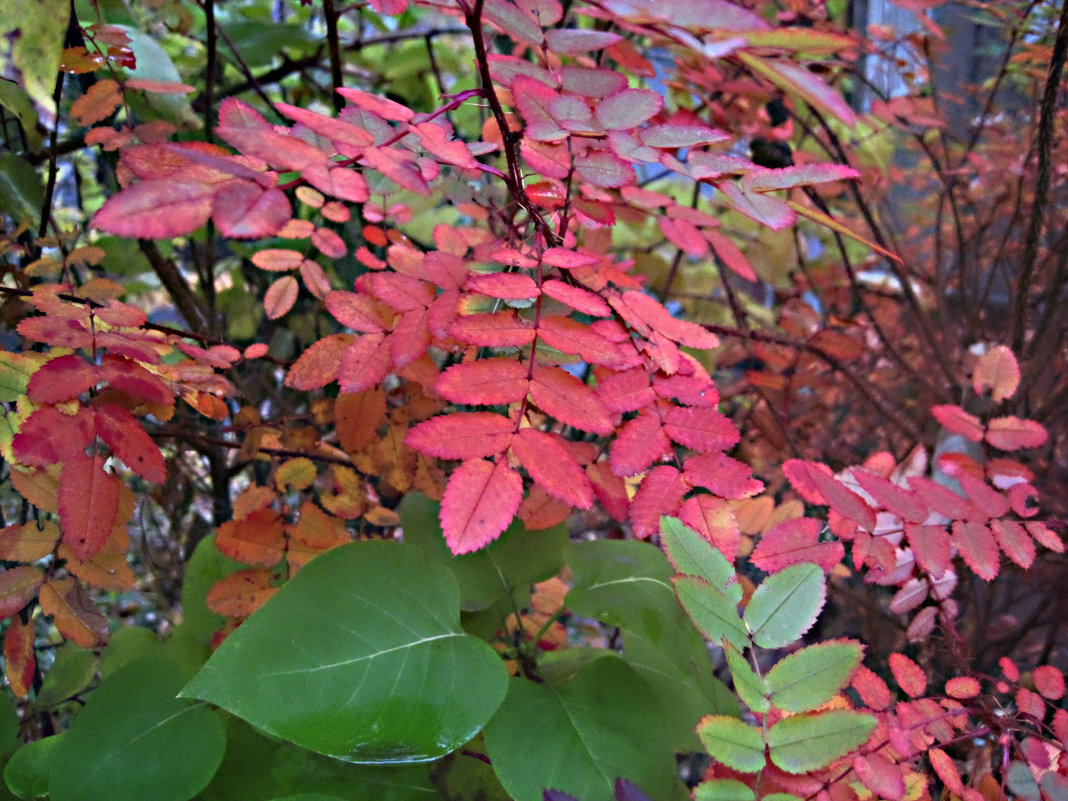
x=14 y=98
x=15 y=372
x=809 y=678
x=71 y=673
x=511 y=563
x=26 y=774
x=712 y=610
x=693 y=555
x=785 y=605
x=258 y=767
x=685 y=692
x=134 y=740
x=365 y=646
x=750 y=687
x=735 y=744
x=21 y=193
x=36 y=28
x=309 y=797
x=810 y=741
x=577 y=738
x=723 y=790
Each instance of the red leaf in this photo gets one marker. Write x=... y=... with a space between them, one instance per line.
x=871 y=689
x=722 y=475
x=62 y=378
x=880 y=775
x=244 y=210
x=765 y=180
x=640 y=443
x=364 y=364
x=793 y=542
x=958 y=421
x=88 y=504
x=891 y=497
x=816 y=485
x=577 y=298
x=946 y=770
x=765 y=209
x=18 y=586
x=976 y=544
x=570 y=401
x=339 y=182
x=693 y=390
x=714 y=520
x=128 y=440
x=684 y=235
x=480 y=501
x=647 y=315
x=508 y=286
x=1045 y=536
x=931 y=548
x=552 y=467
x=328 y=243
x=385 y=108
x=501 y=330
x=355 y=311
x=575 y=41
x=626 y=391
x=700 y=429
x=49 y=437
x=1013 y=434
x=962 y=687
x=20 y=663
x=660 y=493
x=795 y=79
x=572 y=337
x=731 y=255
x=133 y=379
x=628 y=108
x=1014 y=540
x=940 y=499
x=462 y=435
x=568 y=259
x=485 y=381
x=908 y=675
x=985 y=499
x=337 y=131
x=318 y=365
x=156 y=210
x=280 y=297
x=1049 y=681
x=604 y=169
x=609 y=489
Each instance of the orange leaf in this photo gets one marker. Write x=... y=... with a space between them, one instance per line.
x=241 y=593
x=480 y=501
x=280 y=296
x=73 y=612
x=98 y=103
x=714 y=520
x=908 y=675
x=358 y=416
x=106 y=569
x=258 y=539
x=88 y=504
x=19 y=661
x=29 y=541
x=997 y=371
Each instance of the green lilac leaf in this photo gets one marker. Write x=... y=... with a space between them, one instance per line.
x=373 y=666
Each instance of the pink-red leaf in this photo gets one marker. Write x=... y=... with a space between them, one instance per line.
x=700 y=428
x=996 y=371
x=280 y=297
x=931 y=548
x=462 y=435
x=570 y=401
x=509 y=286
x=485 y=381
x=18 y=585
x=714 y=520
x=128 y=440
x=1014 y=540
x=628 y=109
x=946 y=770
x=891 y=497
x=1049 y=681
x=881 y=775
x=977 y=546
x=552 y=467
x=793 y=542
x=722 y=475
x=958 y=421
x=764 y=180
x=480 y=501
x=1013 y=434
x=908 y=675
x=500 y=330
x=318 y=365
x=156 y=210
x=816 y=485
x=660 y=493
x=364 y=364
x=49 y=437
x=245 y=210
x=640 y=443
x=575 y=41
x=577 y=298
x=88 y=504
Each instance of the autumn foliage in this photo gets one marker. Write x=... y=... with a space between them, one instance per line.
x=628 y=416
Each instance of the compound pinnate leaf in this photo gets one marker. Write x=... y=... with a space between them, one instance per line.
x=750 y=686
x=601 y=724
x=786 y=605
x=480 y=501
x=713 y=609
x=737 y=745
x=809 y=678
x=809 y=741
x=385 y=675
x=693 y=555
x=723 y=790
x=113 y=748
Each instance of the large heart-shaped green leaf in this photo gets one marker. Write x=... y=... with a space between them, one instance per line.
x=134 y=740
x=360 y=657
x=577 y=738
